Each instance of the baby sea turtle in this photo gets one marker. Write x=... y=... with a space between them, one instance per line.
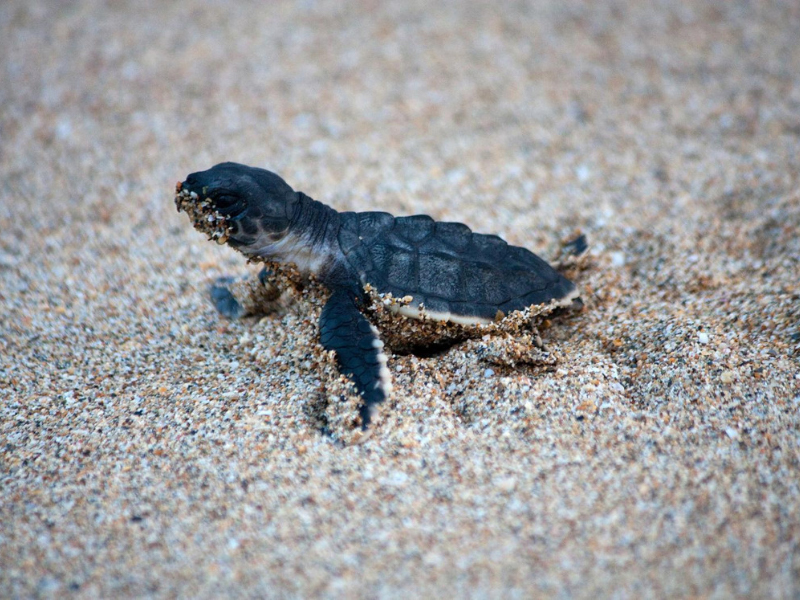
x=424 y=283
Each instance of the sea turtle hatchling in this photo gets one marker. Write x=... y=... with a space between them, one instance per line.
x=423 y=283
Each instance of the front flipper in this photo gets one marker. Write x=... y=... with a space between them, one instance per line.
x=359 y=350
x=239 y=298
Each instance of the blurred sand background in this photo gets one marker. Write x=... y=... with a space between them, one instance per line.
x=150 y=448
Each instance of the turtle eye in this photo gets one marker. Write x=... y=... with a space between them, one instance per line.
x=230 y=205
x=225 y=200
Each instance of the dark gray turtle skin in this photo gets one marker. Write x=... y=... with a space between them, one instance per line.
x=437 y=272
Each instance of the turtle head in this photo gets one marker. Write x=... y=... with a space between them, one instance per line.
x=243 y=206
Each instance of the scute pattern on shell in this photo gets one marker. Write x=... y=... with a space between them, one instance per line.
x=446 y=266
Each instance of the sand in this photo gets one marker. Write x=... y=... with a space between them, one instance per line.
x=149 y=447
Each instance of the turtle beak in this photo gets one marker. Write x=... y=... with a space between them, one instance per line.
x=184 y=196
x=189 y=187
x=200 y=189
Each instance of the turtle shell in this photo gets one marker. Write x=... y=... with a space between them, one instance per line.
x=446 y=268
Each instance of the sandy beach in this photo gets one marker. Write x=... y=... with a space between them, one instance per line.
x=151 y=448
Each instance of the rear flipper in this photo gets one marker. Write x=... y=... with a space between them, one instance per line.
x=571 y=261
x=576 y=246
x=359 y=350
x=572 y=255
x=236 y=298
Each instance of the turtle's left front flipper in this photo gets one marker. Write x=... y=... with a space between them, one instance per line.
x=359 y=350
x=236 y=298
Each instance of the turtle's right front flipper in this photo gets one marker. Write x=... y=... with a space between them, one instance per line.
x=359 y=350
x=239 y=298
